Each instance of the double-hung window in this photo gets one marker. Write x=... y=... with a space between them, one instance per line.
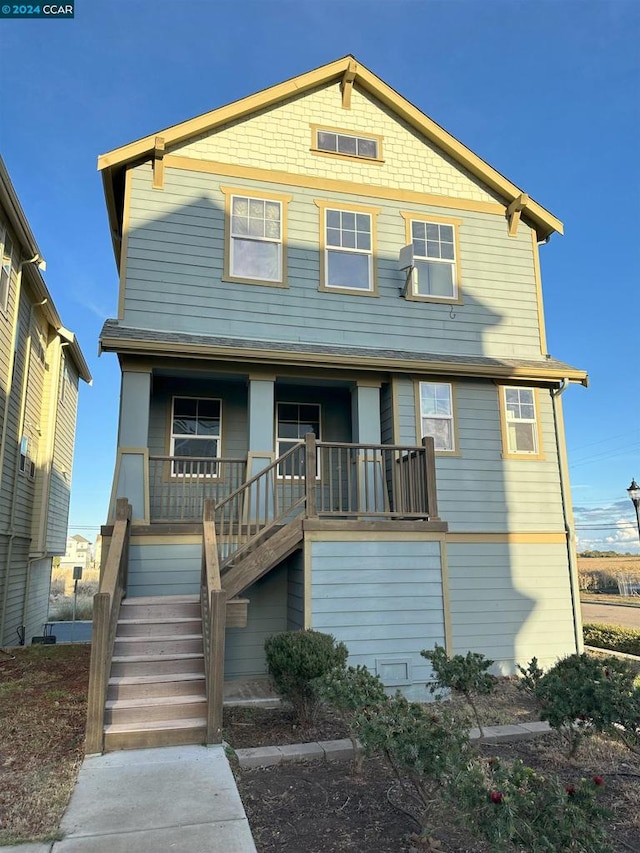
x=294 y=421
x=436 y=272
x=195 y=436
x=436 y=415
x=348 y=249
x=255 y=250
x=5 y=270
x=520 y=420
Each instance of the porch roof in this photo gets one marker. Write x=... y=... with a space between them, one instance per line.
x=132 y=341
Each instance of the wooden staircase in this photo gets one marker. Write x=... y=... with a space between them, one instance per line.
x=156 y=692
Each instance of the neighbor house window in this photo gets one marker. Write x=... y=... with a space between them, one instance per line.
x=520 y=421
x=5 y=270
x=195 y=436
x=436 y=414
x=348 y=249
x=256 y=233
x=436 y=272
x=294 y=421
x=346 y=144
x=27 y=466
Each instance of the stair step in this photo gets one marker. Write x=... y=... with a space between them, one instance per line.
x=161 y=645
x=151 y=664
x=155 y=733
x=160 y=607
x=176 y=626
x=133 y=711
x=148 y=686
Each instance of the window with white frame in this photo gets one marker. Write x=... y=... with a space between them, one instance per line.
x=5 y=270
x=294 y=421
x=347 y=144
x=434 y=259
x=195 y=436
x=27 y=465
x=521 y=420
x=436 y=414
x=348 y=250
x=255 y=252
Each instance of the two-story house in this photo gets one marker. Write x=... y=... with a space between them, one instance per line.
x=40 y=367
x=322 y=260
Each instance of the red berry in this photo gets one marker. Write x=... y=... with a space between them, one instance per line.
x=570 y=789
x=598 y=780
x=496 y=797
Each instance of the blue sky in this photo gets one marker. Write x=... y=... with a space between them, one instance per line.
x=547 y=92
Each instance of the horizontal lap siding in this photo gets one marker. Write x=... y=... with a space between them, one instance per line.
x=175 y=264
x=61 y=466
x=295 y=591
x=164 y=569
x=479 y=491
x=267 y=615
x=510 y=602
x=382 y=598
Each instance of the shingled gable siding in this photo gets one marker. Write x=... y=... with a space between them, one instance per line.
x=280 y=138
x=510 y=602
x=175 y=265
x=383 y=598
x=479 y=491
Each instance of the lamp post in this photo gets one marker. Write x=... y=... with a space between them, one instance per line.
x=634 y=494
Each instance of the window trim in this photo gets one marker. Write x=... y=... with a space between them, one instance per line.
x=172 y=436
x=28 y=468
x=341 y=131
x=418 y=382
x=279 y=475
x=259 y=195
x=507 y=453
x=412 y=216
x=4 y=299
x=323 y=206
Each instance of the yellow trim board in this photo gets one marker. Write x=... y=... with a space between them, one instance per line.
x=480 y=538
x=334 y=72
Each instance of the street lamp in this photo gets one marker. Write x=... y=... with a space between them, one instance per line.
x=634 y=494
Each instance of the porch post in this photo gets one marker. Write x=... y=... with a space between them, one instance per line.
x=261 y=413
x=366 y=429
x=132 y=467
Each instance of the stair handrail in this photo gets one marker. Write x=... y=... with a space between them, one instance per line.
x=231 y=546
x=106 y=609
x=213 y=601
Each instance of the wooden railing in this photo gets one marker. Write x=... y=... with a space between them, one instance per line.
x=180 y=485
x=106 y=609
x=214 y=613
x=273 y=496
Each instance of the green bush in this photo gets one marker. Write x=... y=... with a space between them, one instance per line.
x=350 y=691
x=295 y=660
x=514 y=808
x=463 y=674
x=612 y=637
x=581 y=695
x=530 y=677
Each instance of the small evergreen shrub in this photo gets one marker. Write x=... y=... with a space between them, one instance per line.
x=463 y=674
x=530 y=677
x=295 y=660
x=581 y=695
x=350 y=691
x=612 y=637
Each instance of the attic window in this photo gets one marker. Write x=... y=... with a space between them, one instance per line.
x=343 y=144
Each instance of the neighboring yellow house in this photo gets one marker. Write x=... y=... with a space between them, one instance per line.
x=40 y=367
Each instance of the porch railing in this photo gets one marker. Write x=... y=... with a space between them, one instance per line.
x=214 y=606
x=179 y=486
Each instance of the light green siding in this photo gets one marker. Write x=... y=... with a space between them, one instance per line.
x=164 y=569
x=384 y=600
x=511 y=602
x=295 y=591
x=175 y=265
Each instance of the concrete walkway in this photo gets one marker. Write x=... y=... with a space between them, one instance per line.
x=179 y=799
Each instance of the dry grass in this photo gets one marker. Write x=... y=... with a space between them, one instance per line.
x=43 y=692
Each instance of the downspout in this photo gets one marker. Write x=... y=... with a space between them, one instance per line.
x=567 y=513
x=21 y=421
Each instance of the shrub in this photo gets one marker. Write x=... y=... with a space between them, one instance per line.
x=350 y=691
x=612 y=637
x=57 y=586
x=515 y=808
x=62 y=611
x=464 y=674
x=530 y=676
x=581 y=695
x=295 y=659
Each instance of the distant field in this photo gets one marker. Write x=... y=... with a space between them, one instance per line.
x=609 y=564
x=609 y=574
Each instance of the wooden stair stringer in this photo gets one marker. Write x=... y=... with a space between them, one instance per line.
x=254 y=565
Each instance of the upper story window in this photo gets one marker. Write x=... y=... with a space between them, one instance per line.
x=436 y=273
x=342 y=143
x=27 y=465
x=293 y=422
x=255 y=250
x=6 y=246
x=520 y=424
x=437 y=416
x=348 y=249
x=195 y=435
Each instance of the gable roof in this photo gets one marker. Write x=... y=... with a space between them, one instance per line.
x=113 y=164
